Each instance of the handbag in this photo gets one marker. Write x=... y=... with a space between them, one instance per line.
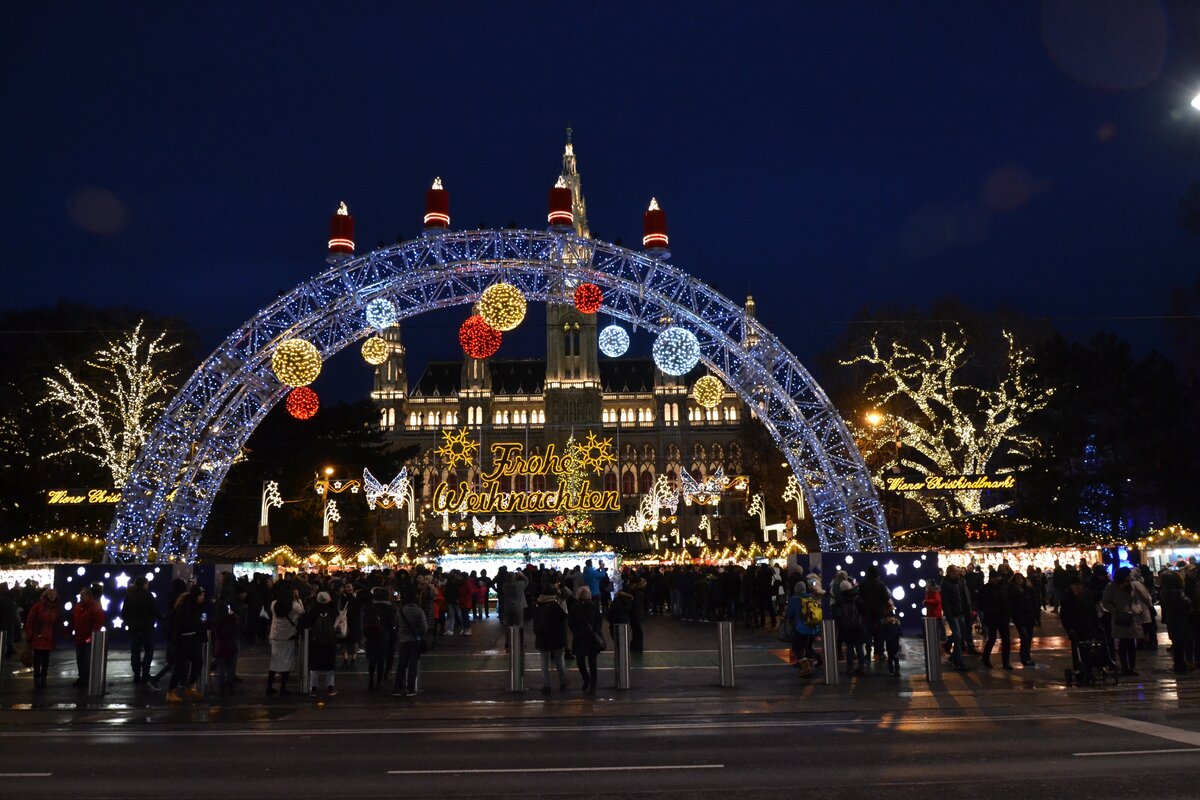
x=422 y=644
x=601 y=644
x=786 y=631
x=27 y=657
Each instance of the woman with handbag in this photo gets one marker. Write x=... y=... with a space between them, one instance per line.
x=587 y=636
x=283 y=636
x=411 y=632
x=1126 y=601
x=40 y=624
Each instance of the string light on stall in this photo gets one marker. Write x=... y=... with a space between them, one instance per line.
x=381 y=314
x=613 y=341
x=502 y=306
x=296 y=362
x=676 y=351
x=302 y=403
x=708 y=391
x=375 y=350
x=478 y=339
x=588 y=298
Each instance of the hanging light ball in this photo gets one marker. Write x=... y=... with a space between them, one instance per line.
x=676 y=350
x=478 y=339
x=709 y=391
x=375 y=350
x=302 y=403
x=613 y=341
x=296 y=362
x=502 y=306
x=588 y=298
x=381 y=314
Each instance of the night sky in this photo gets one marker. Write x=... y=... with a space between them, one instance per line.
x=820 y=156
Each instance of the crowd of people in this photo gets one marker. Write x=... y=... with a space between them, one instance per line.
x=390 y=618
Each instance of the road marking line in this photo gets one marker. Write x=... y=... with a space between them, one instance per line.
x=1145 y=728
x=643 y=768
x=491 y=730
x=25 y=774
x=1140 y=752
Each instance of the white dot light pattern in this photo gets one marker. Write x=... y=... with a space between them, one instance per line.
x=901 y=573
x=676 y=351
x=381 y=314
x=296 y=362
x=614 y=341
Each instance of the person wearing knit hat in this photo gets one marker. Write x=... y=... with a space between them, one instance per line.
x=323 y=598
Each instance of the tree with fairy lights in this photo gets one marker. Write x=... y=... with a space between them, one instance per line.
x=929 y=420
x=107 y=413
x=572 y=482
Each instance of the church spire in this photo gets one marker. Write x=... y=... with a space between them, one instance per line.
x=570 y=174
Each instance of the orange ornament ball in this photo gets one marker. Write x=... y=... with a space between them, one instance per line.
x=478 y=339
x=588 y=297
x=302 y=403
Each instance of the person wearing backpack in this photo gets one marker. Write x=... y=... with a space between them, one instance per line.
x=412 y=628
x=320 y=620
x=852 y=627
x=804 y=615
x=379 y=627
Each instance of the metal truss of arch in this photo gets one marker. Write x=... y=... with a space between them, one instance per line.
x=167 y=499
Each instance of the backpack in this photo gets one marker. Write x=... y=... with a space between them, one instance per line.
x=810 y=611
x=851 y=616
x=372 y=622
x=322 y=630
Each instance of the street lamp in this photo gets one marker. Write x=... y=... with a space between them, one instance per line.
x=1196 y=102
x=874 y=418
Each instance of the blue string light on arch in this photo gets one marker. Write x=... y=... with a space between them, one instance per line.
x=166 y=501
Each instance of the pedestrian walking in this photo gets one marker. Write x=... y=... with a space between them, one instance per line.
x=1127 y=602
x=379 y=628
x=190 y=632
x=550 y=636
x=284 y=636
x=587 y=636
x=140 y=612
x=321 y=621
x=86 y=618
x=852 y=627
x=412 y=629
x=41 y=624
x=804 y=614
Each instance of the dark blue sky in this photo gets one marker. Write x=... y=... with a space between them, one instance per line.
x=820 y=156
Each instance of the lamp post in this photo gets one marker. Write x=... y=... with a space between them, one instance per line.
x=325 y=485
x=270 y=499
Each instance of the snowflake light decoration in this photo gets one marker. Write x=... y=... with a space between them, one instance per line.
x=296 y=362
x=381 y=314
x=676 y=351
x=457 y=447
x=588 y=297
x=478 y=339
x=502 y=306
x=595 y=453
x=375 y=350
x=613 y=341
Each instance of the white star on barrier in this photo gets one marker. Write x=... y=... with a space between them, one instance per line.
x=890 y=567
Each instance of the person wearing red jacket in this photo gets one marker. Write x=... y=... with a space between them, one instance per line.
x=466 y=599
x=40 y=624
x=86 y=618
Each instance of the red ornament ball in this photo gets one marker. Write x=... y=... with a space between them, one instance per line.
x=588 y=298
x=478 y=339
x=302 y=402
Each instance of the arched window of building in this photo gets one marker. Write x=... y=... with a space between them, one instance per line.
x=539 y=483
x=478 y=415
x=733 y=414
x=496 y=420
x=646 y=481
x=628 y=482
x=384 y=418
x=610 y=480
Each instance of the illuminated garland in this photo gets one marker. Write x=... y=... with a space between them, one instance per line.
x=52 y=537
x=302 y=403
x=477 y=338
x=1172 y=533
x=588 y=298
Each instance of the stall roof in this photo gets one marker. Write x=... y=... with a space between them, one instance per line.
x=985 y=531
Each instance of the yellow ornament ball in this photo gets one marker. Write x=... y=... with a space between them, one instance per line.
x=502 y=306
x=375 y=350
x=709 y=391
x=296 y=362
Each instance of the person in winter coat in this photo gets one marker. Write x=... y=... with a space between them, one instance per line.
x=550 y=636
x=190 y=631
x=379 y=628
x=1177 y=615
x=482 y=585
x=41 y=623
x=1077 y=612
x=1126 y=600
x=875 y=596
x=86 y=618
x=140 y=613
x=226 y=629
x=956 y=610
x=412 y=626
x=1025 y=606
x=322 y=643
x=178 y=587
x=891 y=640
x=852 y=626
x=995 y=604
x=513 y=603
x=464 y=601
x=803 y=613
x=284 y=635
x=637 y=611
x=587 y=636
x=349 y=605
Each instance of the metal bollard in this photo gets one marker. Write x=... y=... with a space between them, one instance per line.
x=98 y=664
x=202 y=679
x=725 y=653
x=829 y=650
x=3 y=644
x=516 y=658
x=933 y=649
x=302 y=643
x=621 y=654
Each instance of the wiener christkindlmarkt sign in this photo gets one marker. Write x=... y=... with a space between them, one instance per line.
x=574 y=492
x=949 y=483
x=82 y=497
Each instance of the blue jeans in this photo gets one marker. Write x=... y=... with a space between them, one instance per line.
x=957 y=626
x=141 y=651
x=407 y=666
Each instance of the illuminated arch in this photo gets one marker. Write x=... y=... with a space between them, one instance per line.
x=167 y=499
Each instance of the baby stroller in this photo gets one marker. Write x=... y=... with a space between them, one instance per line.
x=1095 y=664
